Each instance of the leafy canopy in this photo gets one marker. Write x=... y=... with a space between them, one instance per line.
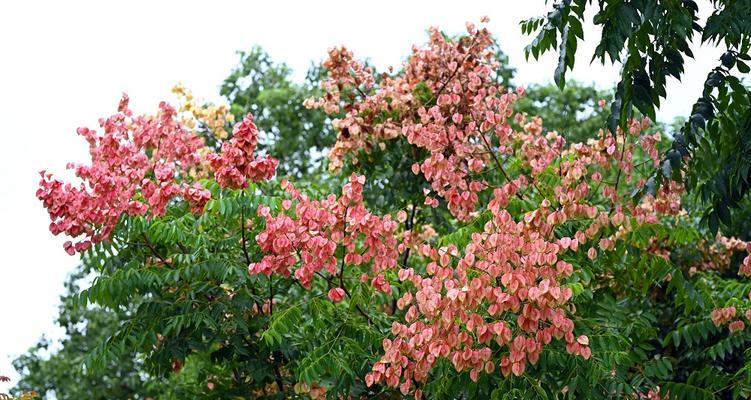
x=513 y=264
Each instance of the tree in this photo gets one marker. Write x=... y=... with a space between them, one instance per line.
x=264 y=88
x=267 y=86
x=650 y=39
x=574 y=112
x=512 y=264
x=55 y=368
x=88 y=327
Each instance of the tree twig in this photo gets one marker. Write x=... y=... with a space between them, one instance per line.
x=341 y=270
x=498 y=163
x=242 y=228
x=153 y=250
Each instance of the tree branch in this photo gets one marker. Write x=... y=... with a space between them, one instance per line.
x=498 y=163
x=153 y=250
x=341 y=270
x=242 y=228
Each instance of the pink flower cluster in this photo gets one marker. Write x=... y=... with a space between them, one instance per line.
x=344 y=72
x=138 y=165
x=654 y=394
x=509 y=272
x=317 y=228
x=736 y=326
x=717 y=255
x=649 y=144
x=745 y=268
x=336 y=294
x=723 y=316
x=468 y=108
x=134 y=155
x=508 y=284
x=465 y=125
x=237 y=162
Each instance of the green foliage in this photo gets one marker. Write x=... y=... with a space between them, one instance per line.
x=573 y=111
x=55 y=367
x=295 y=135
x=173 y=312
x=197 y=298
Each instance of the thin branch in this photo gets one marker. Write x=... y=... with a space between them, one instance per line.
x=409 y=224
x=245 y=252
x=182 y=247
x=498 y=163
x=242 y=228
x=341 y=271
x=271 y=296
x=153 y=250
x=326 y=278
x=459 y=65
x=364 y=96
x=278 y=379
x=620 y=161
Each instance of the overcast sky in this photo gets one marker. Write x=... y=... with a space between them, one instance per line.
x=63 y=64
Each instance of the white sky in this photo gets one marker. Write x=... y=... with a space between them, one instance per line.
x=63 y=64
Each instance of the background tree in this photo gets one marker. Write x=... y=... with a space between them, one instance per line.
x=260 y=86
x=289 y=129
x=56 y=369
x=574 y=111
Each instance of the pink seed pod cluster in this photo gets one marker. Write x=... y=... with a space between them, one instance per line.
x=138 y=165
